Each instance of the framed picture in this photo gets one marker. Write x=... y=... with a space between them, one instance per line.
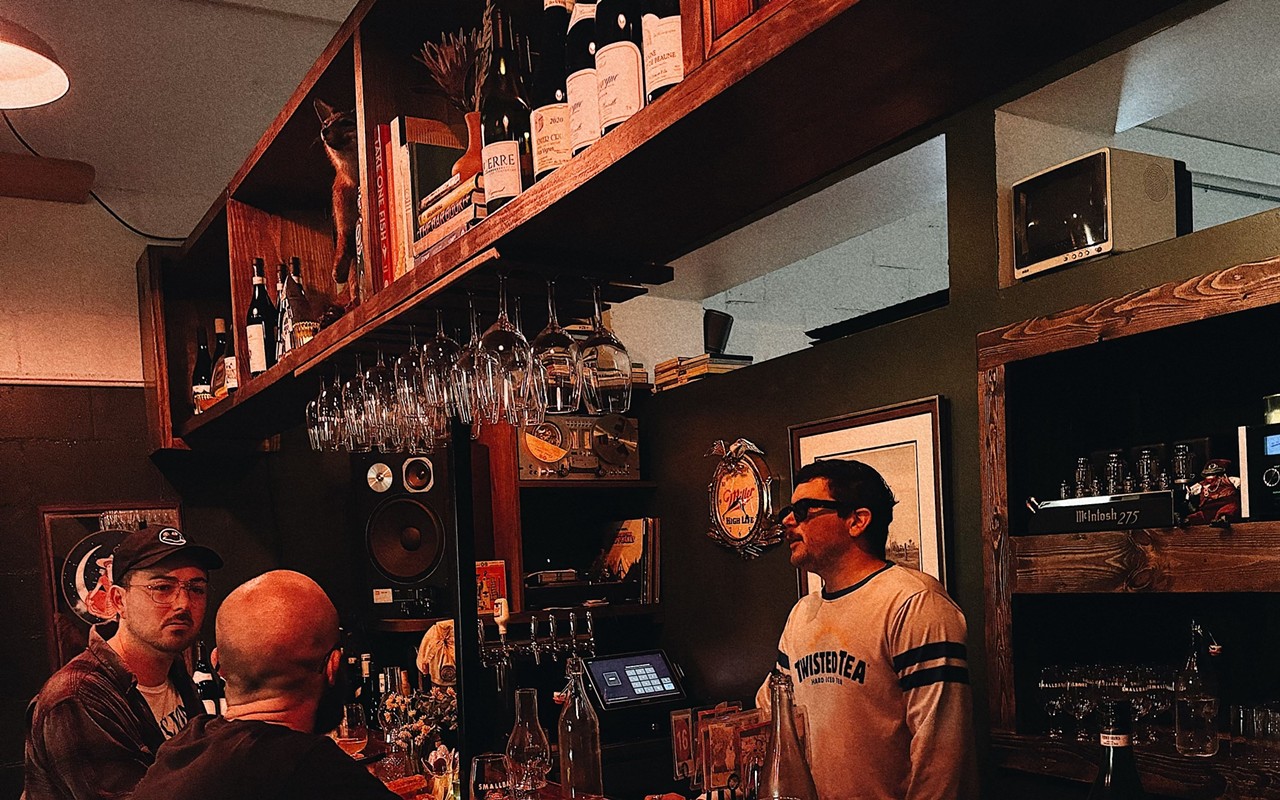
x=903 y=443
x=77 y=542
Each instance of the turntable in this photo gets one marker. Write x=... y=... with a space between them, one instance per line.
x=579 y=447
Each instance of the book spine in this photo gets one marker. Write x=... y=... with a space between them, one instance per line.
x=454 y=236
x=404 y=207
x=395 y=183
x=447 y=227
x=385 y=257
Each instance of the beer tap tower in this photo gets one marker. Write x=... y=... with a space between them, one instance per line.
x=500 y=654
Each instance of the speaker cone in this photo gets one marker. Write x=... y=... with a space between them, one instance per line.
x=406 y=539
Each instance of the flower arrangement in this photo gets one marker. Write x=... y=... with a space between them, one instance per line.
x=416 y=720
x=458 y=63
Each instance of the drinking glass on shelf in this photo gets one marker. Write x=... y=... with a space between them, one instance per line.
x=358 y=439
x=556 y=353
x=352 y=733
x=1080 y=700
x=1053 y=687
x=605 y=367
x=504 y=342
x=489 y=780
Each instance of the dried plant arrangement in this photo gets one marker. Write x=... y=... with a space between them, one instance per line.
x=459 y=61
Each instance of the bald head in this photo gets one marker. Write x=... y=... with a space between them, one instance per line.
x=274 y=636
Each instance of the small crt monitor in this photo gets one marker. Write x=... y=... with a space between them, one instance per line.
x=633 y=678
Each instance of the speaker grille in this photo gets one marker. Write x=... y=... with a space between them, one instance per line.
x=405 y=539
x=1156 y=183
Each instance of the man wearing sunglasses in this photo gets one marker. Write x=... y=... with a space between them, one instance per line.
x=877 y=657
x=94 y=728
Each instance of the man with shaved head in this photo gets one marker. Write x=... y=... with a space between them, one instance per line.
x=278 y=652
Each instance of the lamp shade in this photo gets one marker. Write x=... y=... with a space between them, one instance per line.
x=30 y=74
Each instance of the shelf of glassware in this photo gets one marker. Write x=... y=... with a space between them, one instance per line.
x=1164 y=772
x=1242 y=558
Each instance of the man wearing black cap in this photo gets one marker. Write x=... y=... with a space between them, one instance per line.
x=95 y=726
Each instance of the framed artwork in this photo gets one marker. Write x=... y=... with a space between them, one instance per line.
x=903 y=443
x=76 y=542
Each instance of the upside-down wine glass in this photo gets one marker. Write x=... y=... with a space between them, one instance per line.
x=413 y=421
x=473 y=378
x=353 y=410
x=605 y=367
x=556 y=352
x=504 y=342
x=381 y=407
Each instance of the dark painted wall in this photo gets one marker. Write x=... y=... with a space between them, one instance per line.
x=724 y=614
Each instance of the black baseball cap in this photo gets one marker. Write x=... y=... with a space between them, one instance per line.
x=149 y=546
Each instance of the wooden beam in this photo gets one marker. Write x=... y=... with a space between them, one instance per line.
x=36 y=178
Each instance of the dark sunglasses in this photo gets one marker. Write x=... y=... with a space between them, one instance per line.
x=801 y=509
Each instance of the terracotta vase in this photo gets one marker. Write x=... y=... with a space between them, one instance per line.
x=470 y=164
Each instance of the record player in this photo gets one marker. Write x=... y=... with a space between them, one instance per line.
x=579 y=447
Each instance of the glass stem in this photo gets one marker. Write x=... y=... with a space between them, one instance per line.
x=553 y=323
x=595 y=296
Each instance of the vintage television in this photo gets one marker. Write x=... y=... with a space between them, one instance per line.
x=1102 y=202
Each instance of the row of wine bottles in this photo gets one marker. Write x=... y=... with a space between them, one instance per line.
x=271 y=330
x=598 y=64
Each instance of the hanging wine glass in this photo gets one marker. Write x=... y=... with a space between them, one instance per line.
x=411 y=400
x=473 y=378
x=504 y=342
x=556 y=354
x=533 y=391
x=357 y=437
x=330 y=416
x=605 y=367
x=382 y=408
x=438 y=357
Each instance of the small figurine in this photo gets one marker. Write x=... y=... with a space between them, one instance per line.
x=1216 y=496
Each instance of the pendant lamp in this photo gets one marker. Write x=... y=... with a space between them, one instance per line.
x=30 y=74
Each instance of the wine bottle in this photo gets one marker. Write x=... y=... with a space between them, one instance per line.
x=208 y=685
x=580 y=774
x=785 y=773
x=202 y=374
x=284 y=319
x=504 y=119
x=1118 y=776
x=663 y=46
x=218 y=384
x=581 y=88
x=549 y=120
x=371 y=698
x=305 y=323
x=619 y=61
x=260 y=323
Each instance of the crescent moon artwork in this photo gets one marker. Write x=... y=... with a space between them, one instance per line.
x=86 y=576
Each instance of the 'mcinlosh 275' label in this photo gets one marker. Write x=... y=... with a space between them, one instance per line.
x=1104 y=513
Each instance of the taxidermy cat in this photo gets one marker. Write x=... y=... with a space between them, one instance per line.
x=338 y=132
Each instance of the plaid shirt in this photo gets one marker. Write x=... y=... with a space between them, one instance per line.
x=90 y=732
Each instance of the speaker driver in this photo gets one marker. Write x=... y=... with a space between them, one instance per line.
x=406 y=539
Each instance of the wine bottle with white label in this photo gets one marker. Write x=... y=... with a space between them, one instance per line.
x=549 y=120
x=504 y=119
x=580 y=83
x=260 y=323
x=663 y=46
x=619 y=61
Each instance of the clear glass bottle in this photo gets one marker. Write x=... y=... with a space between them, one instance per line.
x=1195 y=717
x=580 y=774
x=786 y=772
x=528 y=752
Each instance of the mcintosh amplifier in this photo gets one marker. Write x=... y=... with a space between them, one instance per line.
x=1260 y=471
x=576 y=447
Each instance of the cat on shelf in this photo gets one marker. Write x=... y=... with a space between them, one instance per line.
x=338 y=133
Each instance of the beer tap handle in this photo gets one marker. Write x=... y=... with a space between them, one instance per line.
x=555 y=645
x=484 y=654
x=500 y=615
x=573 y=633
x=533 y=640
x=591 y=636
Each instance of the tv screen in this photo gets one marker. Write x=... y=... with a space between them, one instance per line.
x=1062 y=210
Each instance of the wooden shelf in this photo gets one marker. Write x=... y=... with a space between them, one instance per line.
x=1243 y=558
x=596 y=484
x=407 y=625
x=1163 y=771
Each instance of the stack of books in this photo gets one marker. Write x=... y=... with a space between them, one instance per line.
x=447 y=213
x=686 y=369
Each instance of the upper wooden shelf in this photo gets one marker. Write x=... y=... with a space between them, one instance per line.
x=1242 y=558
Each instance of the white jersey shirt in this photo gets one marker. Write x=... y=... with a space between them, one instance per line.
x=881 y=671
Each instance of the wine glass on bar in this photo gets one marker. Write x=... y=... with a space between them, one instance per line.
x=556 y=353
x=1053 y=696
x=605 y=366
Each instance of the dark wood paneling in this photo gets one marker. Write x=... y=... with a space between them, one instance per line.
x=996 y=558
x=1244 y=558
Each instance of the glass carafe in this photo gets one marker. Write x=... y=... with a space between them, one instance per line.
x=580 y=774
x=1195 y=701
x=528 y=752
x=785 y=774
x=605 y=366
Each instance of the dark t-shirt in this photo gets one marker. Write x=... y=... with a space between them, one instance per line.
x=214 y=758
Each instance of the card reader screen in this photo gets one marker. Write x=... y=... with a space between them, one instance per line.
x=619 y=680
x=1272 y=444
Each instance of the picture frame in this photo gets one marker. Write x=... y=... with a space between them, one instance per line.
x=903 y=442
x=67 y=532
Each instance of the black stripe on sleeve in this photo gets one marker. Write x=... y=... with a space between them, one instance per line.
x=929 y=652
x=783 y=661
x=933 y=675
